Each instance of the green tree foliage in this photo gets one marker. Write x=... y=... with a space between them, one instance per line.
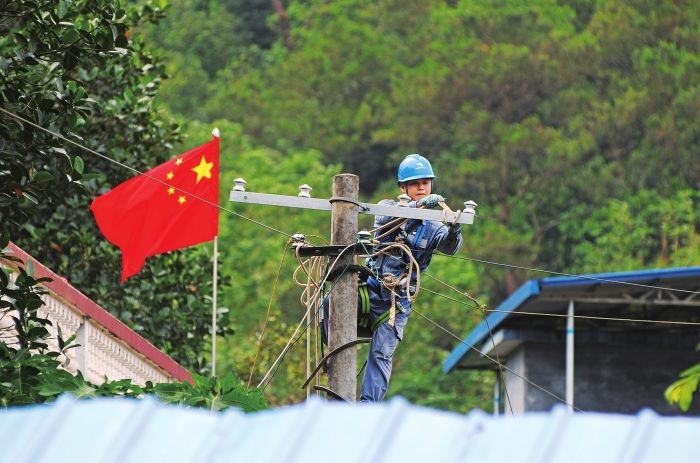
x=508 y=97
x=336 y=76
x=644 y=230
x=42 y=46
x=681 y=391
x=212 y=393
x=200 y=38
x=70 y=67
x=569 y=122
x=256 y=25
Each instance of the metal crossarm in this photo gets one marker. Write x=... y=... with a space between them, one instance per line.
x=464 y=217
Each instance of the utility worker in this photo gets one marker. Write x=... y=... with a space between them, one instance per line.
x=423 y=237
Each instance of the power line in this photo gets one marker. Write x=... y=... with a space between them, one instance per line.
x=542 y=314
x=495 y=361
x=483 y=308
x=267 y=313
x=501 y=365
x=138 y=172
x=293 y=341
x=583 y=277
x=229 y=211
x=477 y=305
x=498 y=359
x=296 y=336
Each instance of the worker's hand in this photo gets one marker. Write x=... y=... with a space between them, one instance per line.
x=454 y=228
x=430 y=201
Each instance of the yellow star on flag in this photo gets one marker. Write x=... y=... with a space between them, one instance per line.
x=170 y=175
x=178 y=162
x=171 y=191
x=203 y=170
x=181 y=200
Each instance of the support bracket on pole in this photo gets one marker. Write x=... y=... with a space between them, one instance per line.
x=324 y=360
x=329 y=393
x=334 y=250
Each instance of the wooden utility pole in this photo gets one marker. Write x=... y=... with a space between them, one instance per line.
x=343 y=299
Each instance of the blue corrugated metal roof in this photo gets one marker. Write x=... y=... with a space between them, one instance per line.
x=572 y=284
x=117 y=430
x=659 y=275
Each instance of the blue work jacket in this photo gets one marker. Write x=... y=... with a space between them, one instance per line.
x=423 y=237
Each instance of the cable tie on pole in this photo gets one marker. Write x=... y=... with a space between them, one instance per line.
x=345 y=199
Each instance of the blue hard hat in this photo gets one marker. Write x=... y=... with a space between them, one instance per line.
x=413 y=167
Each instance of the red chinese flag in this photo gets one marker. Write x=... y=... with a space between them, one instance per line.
x=145 y=217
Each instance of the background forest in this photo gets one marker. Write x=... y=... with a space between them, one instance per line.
x=570 y=123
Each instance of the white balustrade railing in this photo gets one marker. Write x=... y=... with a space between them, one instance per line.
x=101 y=353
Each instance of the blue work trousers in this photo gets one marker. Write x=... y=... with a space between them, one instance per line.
x=385 y=339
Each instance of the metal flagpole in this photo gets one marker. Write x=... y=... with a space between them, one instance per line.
x=213 y=306
x=214 y=285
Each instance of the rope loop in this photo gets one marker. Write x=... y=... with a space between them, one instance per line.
x=391 y=282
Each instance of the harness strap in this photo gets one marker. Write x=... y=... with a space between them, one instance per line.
x=365 y=306
x=419 y=235
x=384 y=317
x=380 y=319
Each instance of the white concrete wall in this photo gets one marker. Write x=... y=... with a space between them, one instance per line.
x=100 y=354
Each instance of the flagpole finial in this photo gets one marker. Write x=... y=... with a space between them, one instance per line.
x=215 y=132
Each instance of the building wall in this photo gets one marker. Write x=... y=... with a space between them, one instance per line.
x=99 y=354
x=107 y=347
x=608 y=377
x=513 y=394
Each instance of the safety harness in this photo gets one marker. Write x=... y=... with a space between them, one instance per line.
x=365 y=325
x=364 y=307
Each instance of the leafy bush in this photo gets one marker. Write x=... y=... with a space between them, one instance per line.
x=30 y=373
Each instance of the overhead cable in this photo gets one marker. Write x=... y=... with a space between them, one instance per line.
x=501 y=365
x=543 y=314
x=292 y=339
x=583 y=277
x=267 y=313
x=138 y=172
